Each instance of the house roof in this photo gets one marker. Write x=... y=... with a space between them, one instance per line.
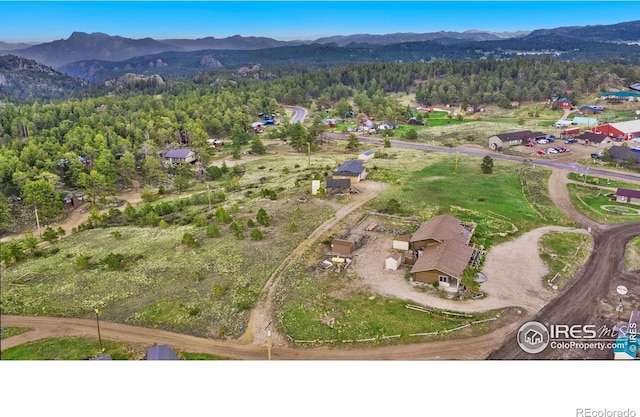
x=178 y=153
x=585 y=121
x=338 y=183
x=630 y=126
x=160 y=353
x=619 y=94
x=624 y=192
x=592 y=137
x=591 y=107
x=353 y=167
x=521 y=135
x=441 y=228
x=450 y=257
x=622 y=153
x=564 y=100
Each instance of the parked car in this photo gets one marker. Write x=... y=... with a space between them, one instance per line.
x=595 y=156
x=570 y=140
x=563 y=149
x=541 y=141
x=530 y=145
x=541 y=152
x=552 y=150
x=550 y=140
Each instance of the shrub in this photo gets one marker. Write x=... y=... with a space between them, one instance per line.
x=116 y=235
x=250 y=223
x=198 y=276
x=219 y=291
x=256 y=234
x=50 y=235
x=114 y=261
x=82 y=263
x=262 y=217
x=213 y=231
x=189 y=240
x=163 y=224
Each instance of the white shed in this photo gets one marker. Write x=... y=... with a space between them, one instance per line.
x=315 y=186
x=400 y=245
x=393 y=262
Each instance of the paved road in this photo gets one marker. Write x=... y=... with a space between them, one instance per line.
x=571 y=166
x=299 y=113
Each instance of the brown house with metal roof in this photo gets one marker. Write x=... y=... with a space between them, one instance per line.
x=444 y=251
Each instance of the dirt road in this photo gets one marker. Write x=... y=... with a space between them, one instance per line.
x=47 y=327
x=256 y=331
x=580 y=303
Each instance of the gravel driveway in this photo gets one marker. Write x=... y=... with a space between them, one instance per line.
x=513 y=268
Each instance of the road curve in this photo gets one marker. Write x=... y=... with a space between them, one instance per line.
x=299 y=114
x=579 y=302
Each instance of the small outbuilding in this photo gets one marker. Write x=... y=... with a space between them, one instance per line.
x=393 y=262
x=342 y=246
x=365 y=156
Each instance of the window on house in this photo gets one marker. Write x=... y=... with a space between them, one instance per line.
x=442 y=278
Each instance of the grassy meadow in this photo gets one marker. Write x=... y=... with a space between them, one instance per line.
x=564 y=253
x=207 y=290
x=596 y=203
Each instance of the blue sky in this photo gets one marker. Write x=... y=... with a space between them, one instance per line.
x=287 y=20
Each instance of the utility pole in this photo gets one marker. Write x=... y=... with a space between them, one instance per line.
x=309 y=152
x=98 y=324
x=269 y=344
x=37 y=220
x=209 y=195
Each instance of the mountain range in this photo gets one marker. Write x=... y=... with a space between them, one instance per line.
x=99 y=46
x=97 y=57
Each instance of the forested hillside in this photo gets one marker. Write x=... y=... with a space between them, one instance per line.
x=99 y=144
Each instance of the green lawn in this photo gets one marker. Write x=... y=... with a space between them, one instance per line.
x=71 y=348
x=78 y=348
x=590 y=201
x=602 y=182
x=501 y=203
